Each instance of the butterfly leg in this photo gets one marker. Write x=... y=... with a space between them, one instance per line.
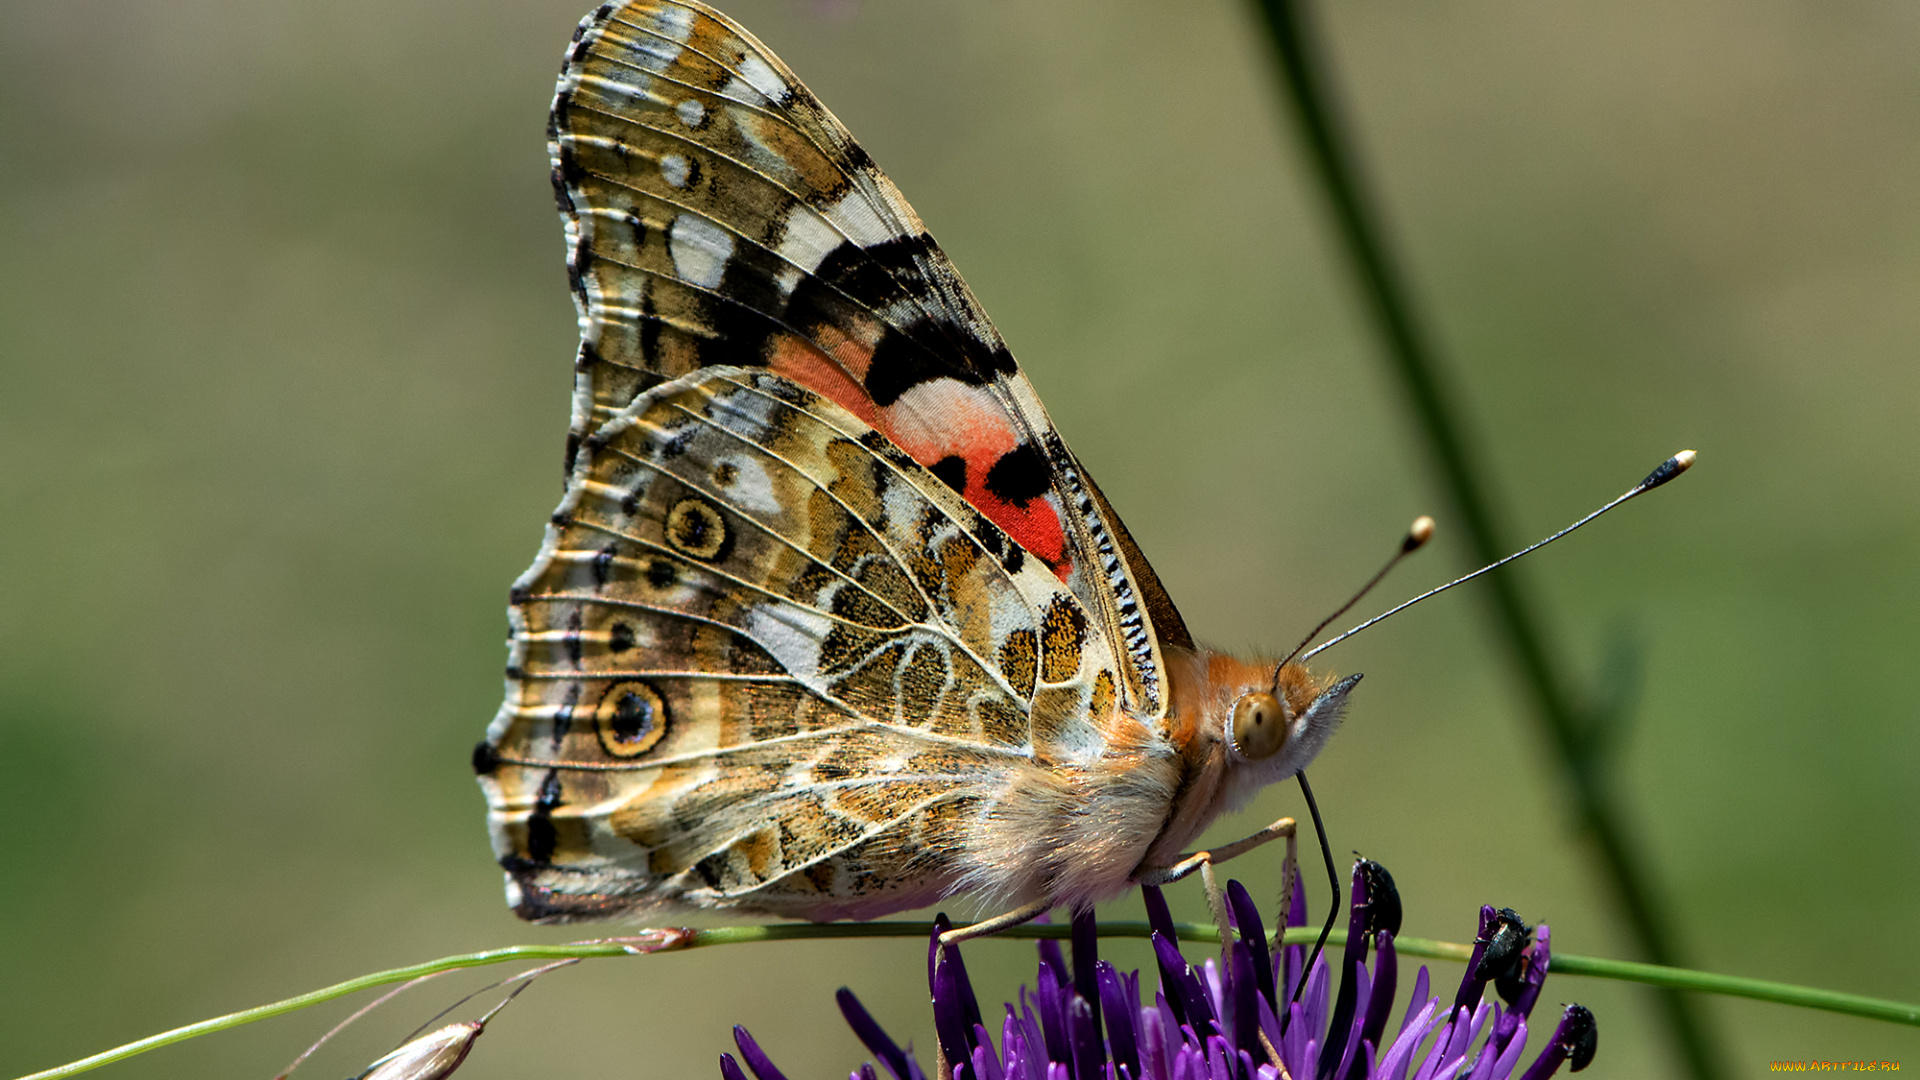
x=997 y=923
x=1204 y=862
x=1166 y=875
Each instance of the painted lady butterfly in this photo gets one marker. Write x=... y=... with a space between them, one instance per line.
x=830 y=623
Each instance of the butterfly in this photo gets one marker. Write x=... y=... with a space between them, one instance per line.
x=829 y=622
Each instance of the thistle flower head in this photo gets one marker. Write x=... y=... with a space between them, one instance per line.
x=1236 y=1020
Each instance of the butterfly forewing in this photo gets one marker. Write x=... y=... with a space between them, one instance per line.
x=826 y=578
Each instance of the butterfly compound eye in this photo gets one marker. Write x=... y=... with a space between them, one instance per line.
x=1259 y=726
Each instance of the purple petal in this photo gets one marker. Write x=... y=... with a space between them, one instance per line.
x=1032 y=1038
x=1120 y=1009
x=1155 y=1061
x=1293 y=1044
x=1253 y=934
x=1481 y=1017
x=1010 y=1046
x=756 y=1060
x=1451 y=1031
x=1086 y=959
x=1510 y=1057
x=1220 y=1059
x=1171 y=995
x=1158 y=916
x=985 y=1065
x=1170 y=1024
x=1083 y=1032
x=866 y=1072
x=951 y=1024
x=1309 y=1058
x=1319 y=981
x=1183 y=986
x=963 y=990
x=730 y=1069
x=1393 y=1066
x=1024 y=1036
x=1464 y=1036
x=870 y=1034
x=1489 y=1059
x=1575 y=1038
x=1187 y=1064
x=1354 y=957
x=1244 y=996
x=1270 y=1026
x=1293 y=957
x=1051 y=1000
x=1472 y=988
x=1419 y=996
x=1348 y=1051
x=1245 y=1065
x=1386 y=972
x=1213 y=980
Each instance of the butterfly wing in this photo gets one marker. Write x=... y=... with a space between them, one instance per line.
x=764 y=660
x=826 y=583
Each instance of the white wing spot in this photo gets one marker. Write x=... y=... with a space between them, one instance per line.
x=791 y=635
x=675 y=26
x=761 y=76
x=740 y=89
x=751 y=488
x=691 y=113
x=674 y=169
x=700 y=250
x=673 y=23
x=854 y=214
x=738 y=410
x=808 y=238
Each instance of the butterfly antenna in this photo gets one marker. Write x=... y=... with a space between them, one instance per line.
x=1417 y=535
x=1668 y=469
x=1333 y=909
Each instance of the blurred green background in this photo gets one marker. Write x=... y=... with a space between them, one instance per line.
x=284 y=353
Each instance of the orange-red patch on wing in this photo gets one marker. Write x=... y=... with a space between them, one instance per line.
x=933 y=421
x=798 y=360
x=944 y=418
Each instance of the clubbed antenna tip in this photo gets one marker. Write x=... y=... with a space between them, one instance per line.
x=1668 y=469
x=1421 y=531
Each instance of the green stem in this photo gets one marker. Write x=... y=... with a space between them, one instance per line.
x=673 y=940
x=1416 y=365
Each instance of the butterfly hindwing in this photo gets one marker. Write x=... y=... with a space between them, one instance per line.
x=766 y=660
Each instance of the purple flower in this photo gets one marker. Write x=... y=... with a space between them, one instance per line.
x=1086 y=1021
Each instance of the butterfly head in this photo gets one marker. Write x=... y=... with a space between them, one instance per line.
x=1249 y=724
x=1276 y=727
x=1239 y=725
